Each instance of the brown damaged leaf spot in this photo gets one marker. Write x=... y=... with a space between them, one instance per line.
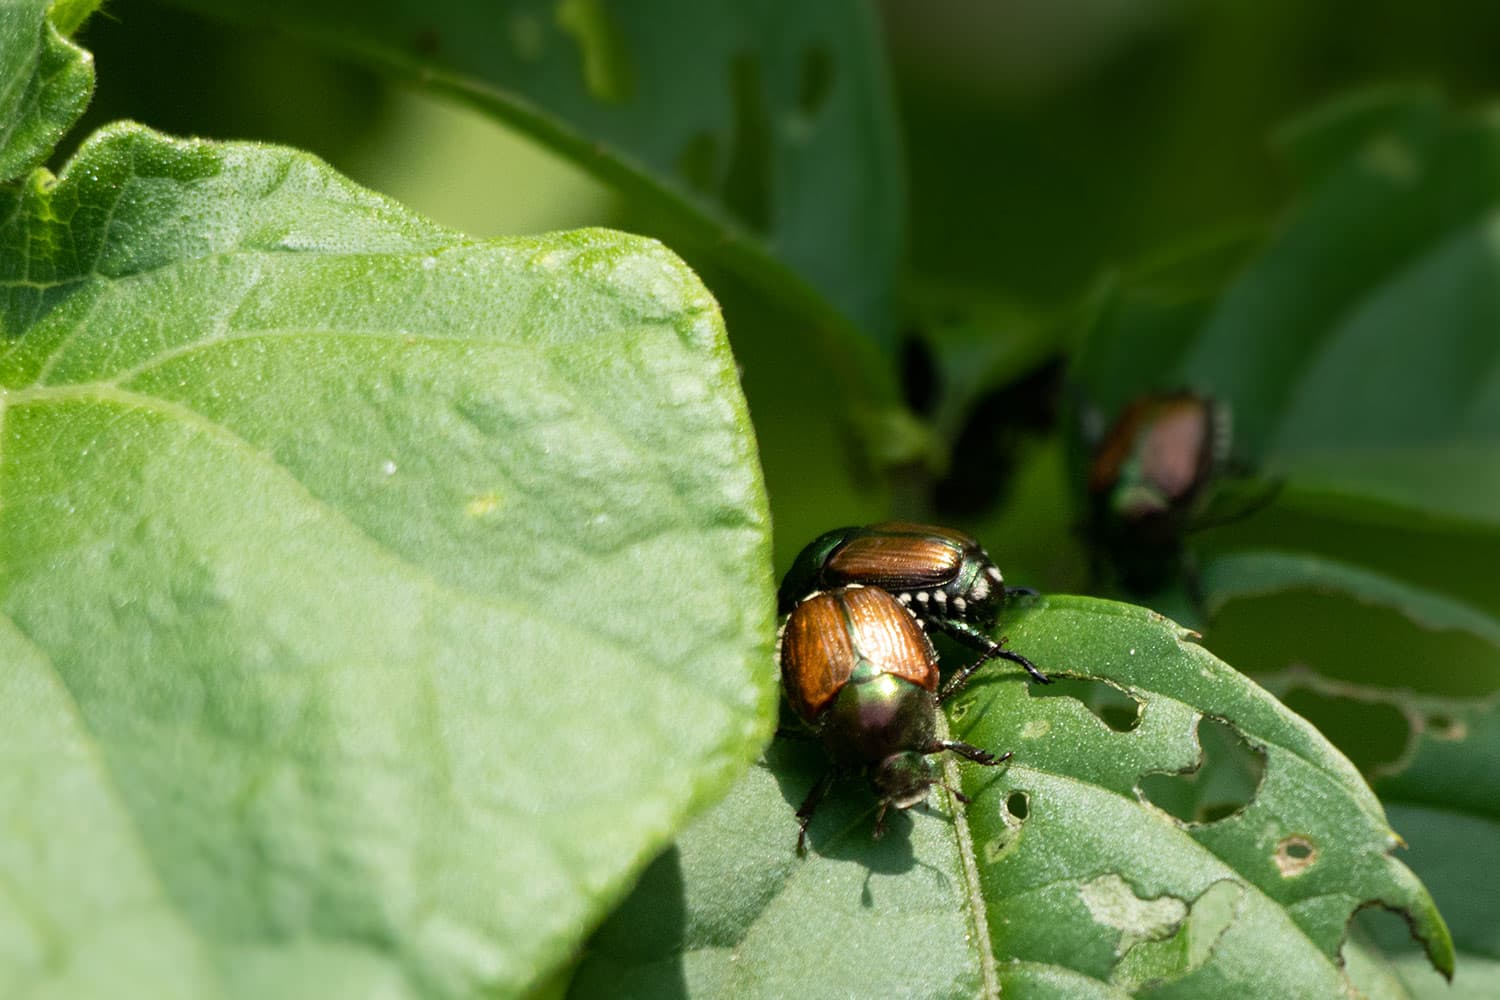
x=1295 y=855
x=1447 y=728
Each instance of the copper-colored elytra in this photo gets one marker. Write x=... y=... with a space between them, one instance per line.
x=1174 y=448
x=911 y=562
x=828 y=635
x=816 y=654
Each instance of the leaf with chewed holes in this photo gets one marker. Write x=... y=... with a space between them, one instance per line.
x=1061 y=877
x=374 y=602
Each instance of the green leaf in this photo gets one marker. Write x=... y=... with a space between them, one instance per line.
x=765 y=129
x=45 y=81
x=1456 y=852
x=375 y=603
x=1077 y=883
x=1388 y=268
x=1249 y=574
x=1436 y=777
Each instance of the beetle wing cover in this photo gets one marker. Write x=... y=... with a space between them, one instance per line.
x=887 y=635
x=900 y=557
x=1172 y=435
x=1111 y=454
x=1178 y=445
x=817 y=654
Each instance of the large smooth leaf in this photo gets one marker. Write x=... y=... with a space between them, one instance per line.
x=765 y=127
x=1061 y=877
x=45 y=81
x=374 y=603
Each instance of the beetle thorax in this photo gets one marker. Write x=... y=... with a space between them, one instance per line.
x=878 y=716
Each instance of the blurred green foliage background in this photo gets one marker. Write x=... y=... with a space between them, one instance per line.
x=1045 y=145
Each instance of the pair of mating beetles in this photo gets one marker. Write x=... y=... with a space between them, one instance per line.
x=856 y=662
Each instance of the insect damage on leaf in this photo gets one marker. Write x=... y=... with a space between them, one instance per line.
x=1295 y=855
x=1220 y=784
x=1161 y=938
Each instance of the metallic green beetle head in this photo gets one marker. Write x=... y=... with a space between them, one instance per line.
x=903 y=779
x=806 y=574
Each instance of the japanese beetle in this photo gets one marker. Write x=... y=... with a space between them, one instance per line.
x=1146 y=478
x=859 y=670
x=943 y=576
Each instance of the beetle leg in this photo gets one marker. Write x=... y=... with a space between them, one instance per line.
x=960 y=796
x=968 y=751
x=1031 y=668
x=809 y=806
x=880 y=819
x=975 y=639
x=957 y=681
x=964 y=633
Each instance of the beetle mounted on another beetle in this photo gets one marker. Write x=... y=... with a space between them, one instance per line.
x=859 y=670
x=857 y=665
x=945 y=578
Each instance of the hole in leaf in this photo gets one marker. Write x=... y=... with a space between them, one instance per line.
x=747 y=184
x=1116 y=709
x=1018 y=804
x=1374 y=735
x=697 y=161
x=1445 y=727
x=1224 y=782
x=1295 y=855
x=602 y=48
x=1388 y=930
x=817 y=80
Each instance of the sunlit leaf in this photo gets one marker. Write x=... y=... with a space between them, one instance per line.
x=45 y=81
x=1407 y=680
x=374 y=602
x=1062 y=877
